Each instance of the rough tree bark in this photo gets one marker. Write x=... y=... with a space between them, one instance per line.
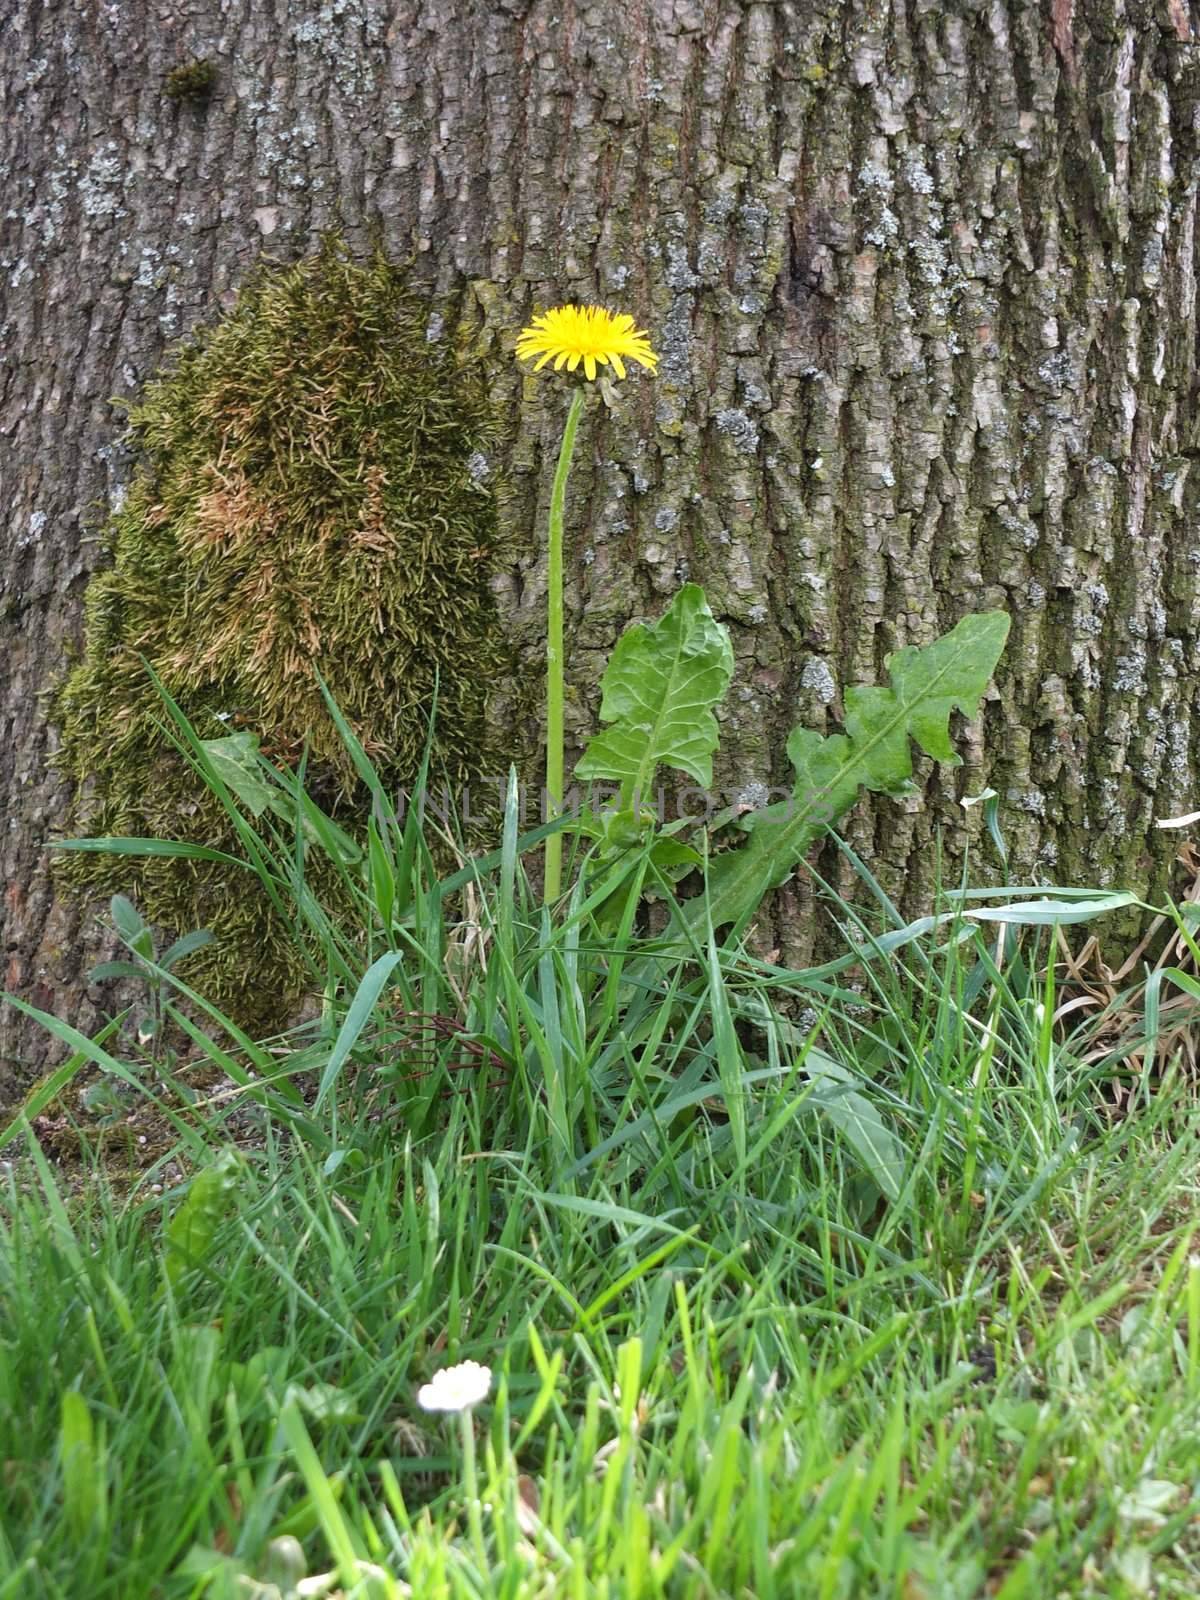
x=923 y=277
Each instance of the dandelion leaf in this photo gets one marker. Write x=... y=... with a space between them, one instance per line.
x=875 y=752
x=658 y=692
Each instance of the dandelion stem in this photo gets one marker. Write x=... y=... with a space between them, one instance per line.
x=554 y=647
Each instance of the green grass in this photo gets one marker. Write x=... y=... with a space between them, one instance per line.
x=838 y=1283
x=809 y=1404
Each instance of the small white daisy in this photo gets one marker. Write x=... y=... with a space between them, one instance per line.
x=456 y=1388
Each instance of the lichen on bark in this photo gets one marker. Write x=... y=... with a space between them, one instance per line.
x=309 y=497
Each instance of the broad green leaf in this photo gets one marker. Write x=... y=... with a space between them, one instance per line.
x=128 y=921
x=927 y=684
x=673 y=853
x=1149 y=1499
x=930 y=682
x=191 y=1231
x=235 y=760
x=617 y=831
x=658 y=692
x=83 y=1468
x=265 y=1375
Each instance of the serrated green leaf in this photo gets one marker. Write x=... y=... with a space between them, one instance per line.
x=928 y=683
x=952 y=674
x=658 y=692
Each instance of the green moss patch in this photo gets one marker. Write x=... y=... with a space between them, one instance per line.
x=312 y=493
x=193 y=80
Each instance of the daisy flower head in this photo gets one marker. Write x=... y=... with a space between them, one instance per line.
x=569 y=335
x=456 y=1388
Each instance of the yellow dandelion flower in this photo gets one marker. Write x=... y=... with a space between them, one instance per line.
x=571 y=334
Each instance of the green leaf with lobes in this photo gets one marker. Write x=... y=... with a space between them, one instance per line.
x=927 y=684
x=658 y=692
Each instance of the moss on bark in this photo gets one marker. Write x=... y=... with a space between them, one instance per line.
x=313 y=494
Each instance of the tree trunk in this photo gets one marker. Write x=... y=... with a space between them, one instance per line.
x=921 y=273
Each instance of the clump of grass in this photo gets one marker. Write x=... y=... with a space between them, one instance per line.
x=310 y=490
x=855 y=1302
x=713 y=1377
